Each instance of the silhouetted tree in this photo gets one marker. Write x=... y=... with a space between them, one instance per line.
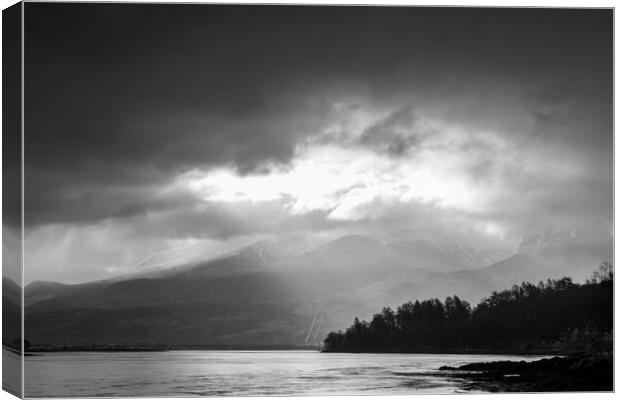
x=541 y=315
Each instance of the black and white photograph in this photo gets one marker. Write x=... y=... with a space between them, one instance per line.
x=306 y=200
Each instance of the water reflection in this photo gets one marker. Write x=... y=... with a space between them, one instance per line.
x=236 y=373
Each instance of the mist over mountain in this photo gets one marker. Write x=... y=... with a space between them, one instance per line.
x=448 y=255
x=274 y=292
x=271 y=250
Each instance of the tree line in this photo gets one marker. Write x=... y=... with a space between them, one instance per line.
x=557 y=314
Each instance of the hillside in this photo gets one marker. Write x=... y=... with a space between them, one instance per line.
x=263 y=296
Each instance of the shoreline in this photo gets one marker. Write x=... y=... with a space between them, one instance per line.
x=479 y=351
x=163 y=348
x=577 y=372
x=130 y=348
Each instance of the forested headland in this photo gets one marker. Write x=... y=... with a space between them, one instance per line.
x=557 y=315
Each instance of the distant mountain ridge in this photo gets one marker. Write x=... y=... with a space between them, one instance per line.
x=267 y=250
x=449 y=255
x=264 y=294
x=551 y=236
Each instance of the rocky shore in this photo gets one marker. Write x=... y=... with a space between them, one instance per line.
x=578 y=372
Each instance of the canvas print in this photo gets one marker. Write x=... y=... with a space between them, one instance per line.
x=286 y=200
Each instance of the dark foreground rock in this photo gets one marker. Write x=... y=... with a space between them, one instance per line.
x=557 y=374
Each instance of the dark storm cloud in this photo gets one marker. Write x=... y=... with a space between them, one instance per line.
x=122 y=98
x=397 y=133
x=84 y=203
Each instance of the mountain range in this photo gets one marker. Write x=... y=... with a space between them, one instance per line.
x=283 y=293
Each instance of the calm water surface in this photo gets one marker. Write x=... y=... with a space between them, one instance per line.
x=236 y=373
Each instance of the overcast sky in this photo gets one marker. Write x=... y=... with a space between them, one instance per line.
x=151 y=127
